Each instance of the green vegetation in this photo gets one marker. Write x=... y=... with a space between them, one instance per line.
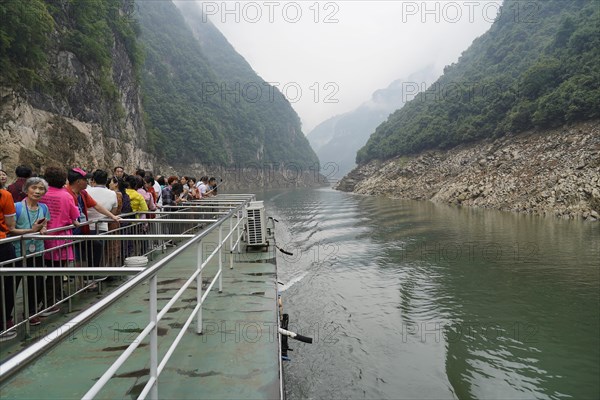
x=86 y=28
x=537 y=67
x=96 y=22
x=23 y=38
x=201 y=99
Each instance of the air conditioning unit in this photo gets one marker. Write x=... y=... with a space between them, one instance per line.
x=257 y=221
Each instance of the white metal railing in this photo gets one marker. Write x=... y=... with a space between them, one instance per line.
x=227 y=208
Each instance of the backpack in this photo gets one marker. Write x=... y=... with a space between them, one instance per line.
x=19 y=208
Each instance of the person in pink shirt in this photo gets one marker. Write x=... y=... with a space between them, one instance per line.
x=64 y=212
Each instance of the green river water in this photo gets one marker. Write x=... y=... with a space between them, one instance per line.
x=413 y=300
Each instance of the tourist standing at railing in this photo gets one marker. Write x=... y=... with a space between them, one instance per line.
x=178 y=193
x=23 y=173
x=167 y=193
x=32 y=217
x=157 y=189
x=147 y=191
x=212 y=187
x=126 y=206
x=113 y=247
x=107 y=199
x=64 y=213
x=119 y=172
x=104 y=196
x=203 y=186
x=3 y=178
x=77 y=184
x=7 y=252
x=194 y=193
x=138 y=203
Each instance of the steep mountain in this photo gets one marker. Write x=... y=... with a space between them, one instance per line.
x=537 y=67
x=205 y=104
x=337 y=139
x=513 y=125
x=99 y=83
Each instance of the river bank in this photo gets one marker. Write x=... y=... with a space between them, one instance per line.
x=553 y=172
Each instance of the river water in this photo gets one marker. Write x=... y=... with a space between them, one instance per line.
x=413 y=300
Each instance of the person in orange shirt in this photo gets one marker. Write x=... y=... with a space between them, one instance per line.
x=7 y=252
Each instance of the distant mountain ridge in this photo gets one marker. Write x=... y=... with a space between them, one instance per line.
x=337 y=139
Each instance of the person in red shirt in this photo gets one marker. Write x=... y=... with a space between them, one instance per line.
x=23 y=173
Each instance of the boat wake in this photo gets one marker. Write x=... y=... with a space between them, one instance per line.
x=292 y=282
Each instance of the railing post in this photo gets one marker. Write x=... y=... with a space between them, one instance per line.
x=240 y=224
x=154 y=336
x=231 y=242
x=25 y=283
x=221 y=258
x=199 y=288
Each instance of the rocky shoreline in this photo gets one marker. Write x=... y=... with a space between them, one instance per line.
x=554 y=173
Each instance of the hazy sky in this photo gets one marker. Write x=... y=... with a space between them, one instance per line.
x=328 y=57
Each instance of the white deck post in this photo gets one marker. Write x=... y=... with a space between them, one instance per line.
x=221 y=258
x=231 y=242
x=199 y=288
x=154 y=336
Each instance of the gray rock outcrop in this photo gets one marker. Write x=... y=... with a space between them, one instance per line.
x=546 y=173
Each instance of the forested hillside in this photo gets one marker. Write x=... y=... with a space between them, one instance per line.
x=537 y=67
x=102 y=82
x=204 y=102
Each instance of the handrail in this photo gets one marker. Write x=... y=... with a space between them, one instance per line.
x=17 y=362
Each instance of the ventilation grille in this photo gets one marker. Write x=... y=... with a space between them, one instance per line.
x=255 y=227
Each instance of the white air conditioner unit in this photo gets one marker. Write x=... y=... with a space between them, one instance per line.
x=257 y=221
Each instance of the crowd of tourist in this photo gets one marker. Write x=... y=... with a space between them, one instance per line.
x=71 y=197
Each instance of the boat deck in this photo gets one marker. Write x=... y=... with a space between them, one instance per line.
x=236 y=356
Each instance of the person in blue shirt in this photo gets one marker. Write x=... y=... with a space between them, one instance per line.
x=32 y=217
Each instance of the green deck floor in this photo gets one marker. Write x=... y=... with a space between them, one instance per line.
x=236 y=357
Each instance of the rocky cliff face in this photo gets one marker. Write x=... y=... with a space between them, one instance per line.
x=551 y=173
x=75 y=123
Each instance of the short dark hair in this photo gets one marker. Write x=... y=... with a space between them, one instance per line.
x=177 y=188
x=100 y=177
x=140 y=172
x=117 y=167
x=56 y=176
x=135 y=182
x=149 y=179
x=23 y=171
